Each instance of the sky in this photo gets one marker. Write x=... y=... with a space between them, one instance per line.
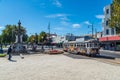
x=64 y=16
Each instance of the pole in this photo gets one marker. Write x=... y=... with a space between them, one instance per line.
x=12 y=36
x=96 y=33
x=92 y=30
x=19 y=24
x=49 y=33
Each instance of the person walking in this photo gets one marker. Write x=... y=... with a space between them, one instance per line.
x=9 y=53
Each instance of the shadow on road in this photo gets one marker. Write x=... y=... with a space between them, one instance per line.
x=13 y=60
x=74 y=56
x=103 y=57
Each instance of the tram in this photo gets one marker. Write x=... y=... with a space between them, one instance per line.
x=89 y=47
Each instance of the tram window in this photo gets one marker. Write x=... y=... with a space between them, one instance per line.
x=84 y=45
x=93 y=45
x=96 y=44
x=76 y=45
x=90 y=45
x=81 y=45
x=87 y=45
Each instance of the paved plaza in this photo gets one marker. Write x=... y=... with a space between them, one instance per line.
x=56 y=67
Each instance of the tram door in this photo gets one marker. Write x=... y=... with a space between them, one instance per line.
x=88 y=46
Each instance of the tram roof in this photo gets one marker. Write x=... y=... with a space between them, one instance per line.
x=91 y=40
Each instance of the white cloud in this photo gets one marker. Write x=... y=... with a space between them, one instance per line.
x=100 y=16
x=76 y=25
x=56 y=15
x=87 y=23
x=57 y=3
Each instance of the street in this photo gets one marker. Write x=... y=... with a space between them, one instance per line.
x=58 y=67
x=114 y=54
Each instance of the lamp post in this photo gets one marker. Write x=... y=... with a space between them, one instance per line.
x=42 y=43
x=95 y=33
x=49 y=34
x=92 y=28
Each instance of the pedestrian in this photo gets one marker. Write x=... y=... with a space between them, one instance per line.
x=9 y=53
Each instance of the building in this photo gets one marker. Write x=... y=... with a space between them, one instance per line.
x=107 y=31
x=58 y=39
x=98 y=35
x=109 y=39
x=83 y=38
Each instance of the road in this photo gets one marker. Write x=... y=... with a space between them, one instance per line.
x=57 y=67
x=110 y=57
x=114 y=54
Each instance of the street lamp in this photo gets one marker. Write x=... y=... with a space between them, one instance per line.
x=42 y=43
x=95 y=33
x=92 y=28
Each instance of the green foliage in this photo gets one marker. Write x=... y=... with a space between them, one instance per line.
x=42 y=37
x=31 y=39
x=8 y=34
x=36 y=38
x=114 y=21
x=3 y=55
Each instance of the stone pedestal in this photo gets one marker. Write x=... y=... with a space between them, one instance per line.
x=16 y=41
x=19 y=48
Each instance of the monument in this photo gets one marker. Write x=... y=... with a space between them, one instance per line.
x=18 y=45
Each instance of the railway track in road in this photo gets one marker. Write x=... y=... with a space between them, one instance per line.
x=108 y=61
x=104 y=59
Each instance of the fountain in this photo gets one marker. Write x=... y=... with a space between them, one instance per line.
x=18 y=45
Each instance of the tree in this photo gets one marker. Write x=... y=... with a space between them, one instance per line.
x=36 y=38
x=31 y=39
x=114 y=21
x=42 y=37
x=8 y=34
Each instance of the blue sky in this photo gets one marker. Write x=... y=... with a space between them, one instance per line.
x=65 y=16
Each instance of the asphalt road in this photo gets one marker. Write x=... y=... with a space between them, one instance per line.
x=101 y=58
x=110 y=54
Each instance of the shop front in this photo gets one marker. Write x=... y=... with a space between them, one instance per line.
x=110 y=42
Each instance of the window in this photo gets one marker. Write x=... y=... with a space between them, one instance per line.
x=106 y=23
x=112 y=31
x=107 y=31
x=107 y=11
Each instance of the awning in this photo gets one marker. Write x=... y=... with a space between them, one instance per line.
x=110 y=38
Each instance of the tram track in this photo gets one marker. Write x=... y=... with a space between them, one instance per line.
x=108 y=61
x=100 y=58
